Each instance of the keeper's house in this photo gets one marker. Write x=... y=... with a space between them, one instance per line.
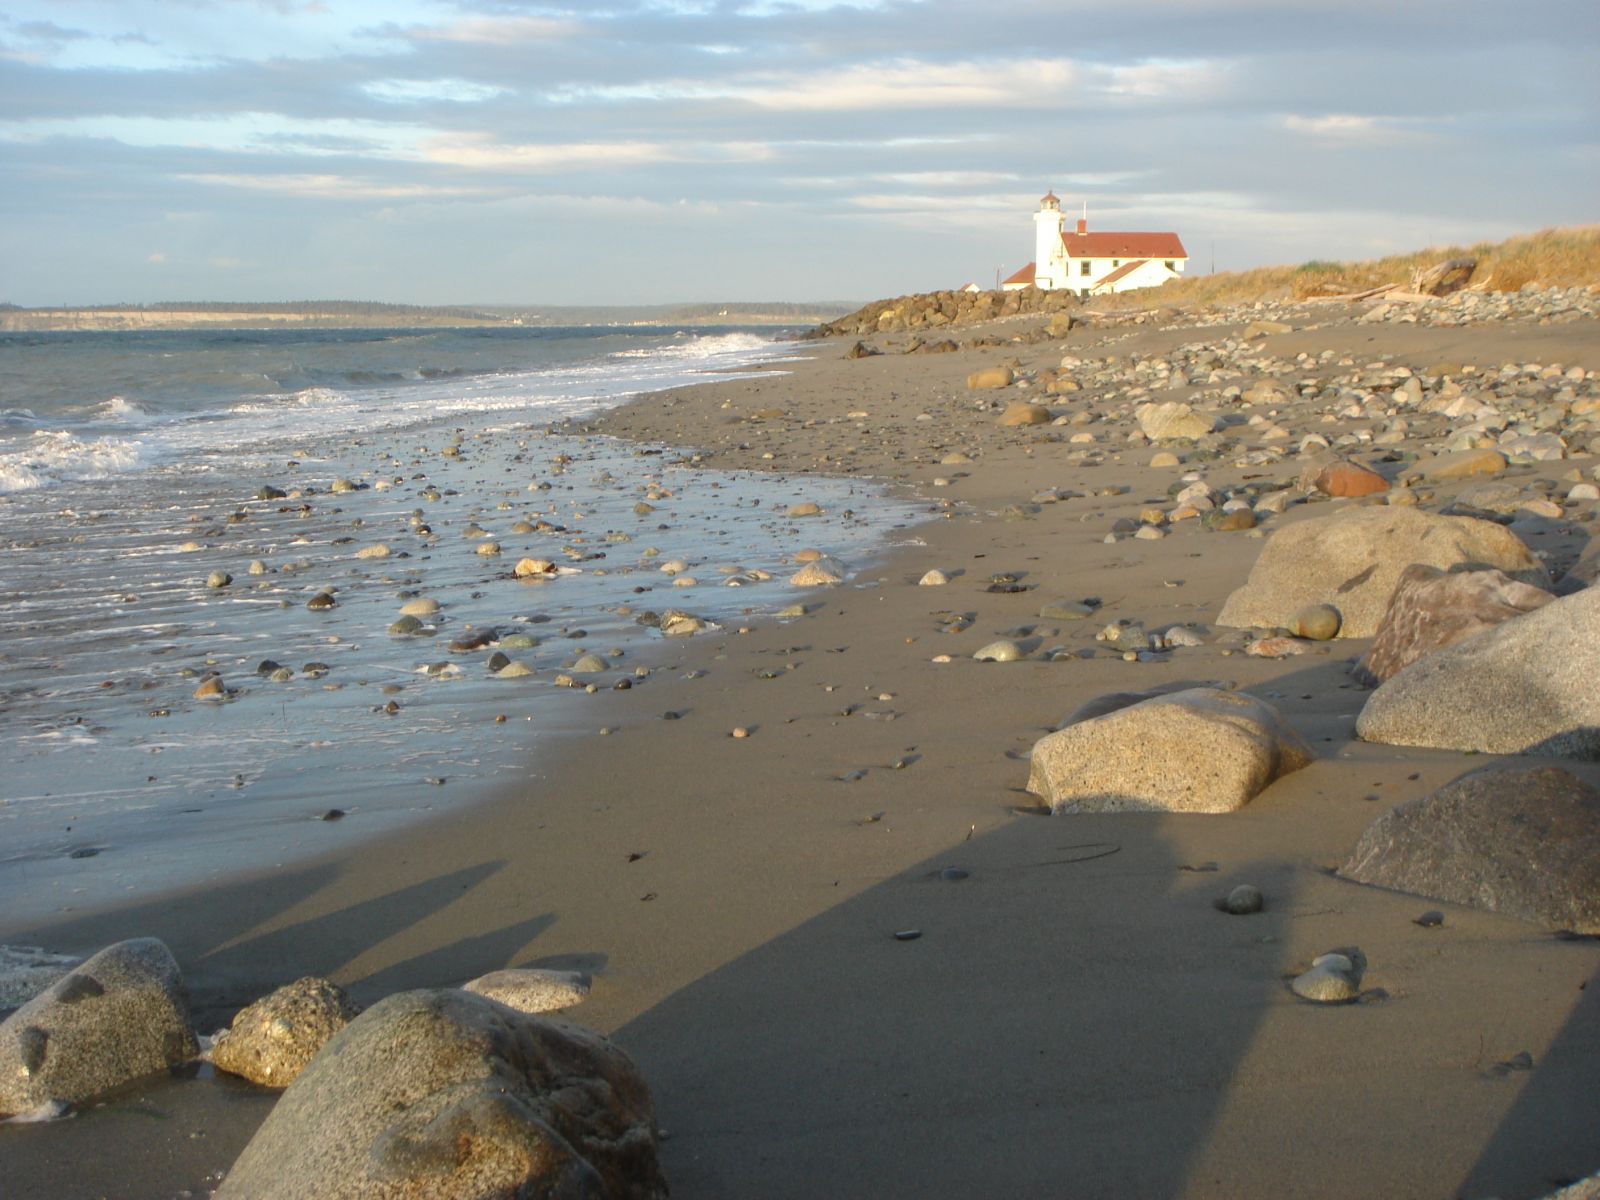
x=1093 y=264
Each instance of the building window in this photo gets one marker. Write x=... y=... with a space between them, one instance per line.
x=1115 y=263
x=1169 y=266
x=1083 y=268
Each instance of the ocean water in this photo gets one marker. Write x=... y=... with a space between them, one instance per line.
x=131 y=469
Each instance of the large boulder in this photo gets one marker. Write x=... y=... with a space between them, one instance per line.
x=1523 y=841
x=1197 y=750
x=1172 y=420
x=272 y=1040
x=1353 y=560
x=1527 y=686
x=442 y=1094
x=122 y=1015
x=1431 y=610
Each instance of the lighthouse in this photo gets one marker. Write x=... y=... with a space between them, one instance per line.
x=1048 y=253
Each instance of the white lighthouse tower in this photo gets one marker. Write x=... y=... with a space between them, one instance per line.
x=1049 y=256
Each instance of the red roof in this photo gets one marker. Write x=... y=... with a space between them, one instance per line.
x=1123 y=245
x=1024 y=276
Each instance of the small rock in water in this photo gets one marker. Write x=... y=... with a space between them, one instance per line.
x=423 y=606
x=211 y=688
x=218 y=579
x=406 y=627
x=321 y=601
x=333 y=814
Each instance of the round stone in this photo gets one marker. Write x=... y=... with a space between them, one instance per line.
x=406 y=627
x=218 y=579
x=1003 y=650
x=422 y=606
x=1243 y=900
x=1319 y=622
x=934 y=578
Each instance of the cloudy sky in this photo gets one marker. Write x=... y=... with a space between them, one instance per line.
x=633 y=151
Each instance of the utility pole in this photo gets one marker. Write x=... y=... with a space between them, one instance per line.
x=1213 y=256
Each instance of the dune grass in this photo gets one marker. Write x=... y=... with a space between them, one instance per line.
x=1550 y=258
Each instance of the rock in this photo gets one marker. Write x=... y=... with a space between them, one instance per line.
x=447 y=1095
x=406 y=627
x=808 y=509
x=861 y=350
x=588 y=664
x=1526 y=686
x=1334 y=978
x=1066 y=610
x=532 y=989
x=218 y=579
x=1197 y=750
x=533 y=568
x=1274 y=647
x=514 y=670
x=1318 y=622
x=1353 y=559
x=422 y=606
x=375 y=551
x=1261 y=328
x=1004 y=650
x=680 y=624
x=1230 y=522
x=1019 y=413
x=321 y=601
x=25 y=971
x=211 y=688
x=991 y=377
x=822 y=572
x=1463 y=464
x=1431 y=610
x=1171 y=420
x=934 y=578
x=1344 y=479
x=1522 y=841
x=1243 y=900
x=122 y=1015
x=272 y=1040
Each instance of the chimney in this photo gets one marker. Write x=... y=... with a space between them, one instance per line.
x=1083 y=224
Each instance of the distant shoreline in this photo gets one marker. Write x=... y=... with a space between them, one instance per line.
x=113 y=319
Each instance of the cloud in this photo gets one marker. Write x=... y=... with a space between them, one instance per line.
x=1350 y=128
x=498 y=30
x=482 y=151
x=332 y=187
x=413 y=91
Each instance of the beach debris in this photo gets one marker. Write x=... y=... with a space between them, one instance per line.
x=532 y=989
x=1355 y=558
x=1525 y=686
x=1431 y=609
x=1333 y=978
x=1521 y=841
x=272 y=1040
x=447 y=1094
x=119 y=1016
x=1196 y=750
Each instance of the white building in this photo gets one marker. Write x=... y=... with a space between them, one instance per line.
x=1093 y=264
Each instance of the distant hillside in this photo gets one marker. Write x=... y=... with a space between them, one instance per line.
x=360 y=314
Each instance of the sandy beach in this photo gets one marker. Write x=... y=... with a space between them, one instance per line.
x=1075 y=1017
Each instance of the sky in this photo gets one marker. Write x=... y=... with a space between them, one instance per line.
x=650 y=151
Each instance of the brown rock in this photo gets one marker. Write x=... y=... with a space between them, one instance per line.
x=1231 y=522
x=1345 y=478
x=1462 y=464
x=1021 y=413
x=991 y=377
x=1523 y=841
x=1431 y=610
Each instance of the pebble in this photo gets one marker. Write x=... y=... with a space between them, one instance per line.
x=1318 y=622
x=406 y=627
x=934 y=578
x=1002 y=651
x=218 y=579
x=211 y=688
x=1243 y=900
x=1334 y=978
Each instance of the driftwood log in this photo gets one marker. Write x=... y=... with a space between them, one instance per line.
x=1449 y=276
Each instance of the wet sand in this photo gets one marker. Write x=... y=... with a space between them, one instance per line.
x=1076 y=1019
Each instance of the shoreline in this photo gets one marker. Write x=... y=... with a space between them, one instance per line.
x=1062 y=1003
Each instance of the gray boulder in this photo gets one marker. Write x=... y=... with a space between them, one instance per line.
x=1172 y=420
x=1431 y=610
x=1353 y=560
x=1523 y=841
x=1527 y=686
x=442 y=1094
x=1198 y=750
x=272 y=1040
x=532 y=989
x=122 y=1015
